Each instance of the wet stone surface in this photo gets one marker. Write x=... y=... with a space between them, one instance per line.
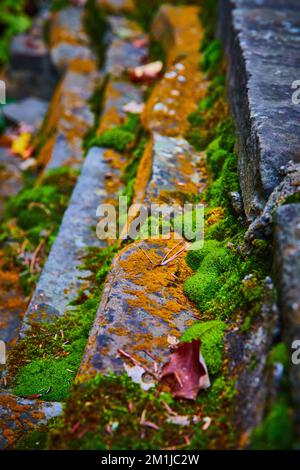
x=262 y=44
x=19 y=415
x=175 y=169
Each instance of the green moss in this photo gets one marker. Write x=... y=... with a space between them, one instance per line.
x=276 y=431
x=116 y=138
x=57 y=5
x=294 y=199
x=212 y=56
x=118 y=426
x=96 y=26
x=50 y=354
x=279 y=353
x=211 y=334
x=130 y=171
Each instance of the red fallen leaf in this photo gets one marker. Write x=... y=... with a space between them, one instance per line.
x=186 y=372
x=146 y=72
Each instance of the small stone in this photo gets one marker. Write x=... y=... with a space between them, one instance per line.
x=170 y=75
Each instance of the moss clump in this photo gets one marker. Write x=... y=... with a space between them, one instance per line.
x=55 y=352
x=276 y=431
x=212 y=56
x=14 y=20
x=293 y=199
x=118 y=426
x=211 y=334
x=119 y=137
x=96 y=26
x=279 y=354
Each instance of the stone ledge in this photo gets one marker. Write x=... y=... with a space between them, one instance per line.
x=287 y=268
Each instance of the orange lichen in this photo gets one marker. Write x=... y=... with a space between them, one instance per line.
x=117 y=6
x=176 y=96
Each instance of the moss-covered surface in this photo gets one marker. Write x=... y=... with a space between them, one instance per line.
x=96 y=418
x=47 y=359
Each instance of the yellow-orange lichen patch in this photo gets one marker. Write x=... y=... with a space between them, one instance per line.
x=61 y=33
x=183 y=85
x=67 y=113
x=18 y=417
x=117 y=6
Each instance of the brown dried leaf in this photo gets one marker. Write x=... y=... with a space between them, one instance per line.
x=186 y=372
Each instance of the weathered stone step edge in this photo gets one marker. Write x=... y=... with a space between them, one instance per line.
x=168 y=167
x=261 y=47
x=20 y=415
x=61 y=278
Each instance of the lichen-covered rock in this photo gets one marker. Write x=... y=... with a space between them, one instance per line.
x=124 y=51
x=117 y=6
x=140 y=307
x=287 y=269
x=289 y=186
x=68 y=40
x=69 y=117
x=20 y=415
x=261 y=39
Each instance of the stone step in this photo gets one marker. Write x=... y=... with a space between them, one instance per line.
x=20 y=415
x=68 y=39
x=61 y=278
x=142 y=305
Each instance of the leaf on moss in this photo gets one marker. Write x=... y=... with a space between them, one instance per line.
x=186 y=372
